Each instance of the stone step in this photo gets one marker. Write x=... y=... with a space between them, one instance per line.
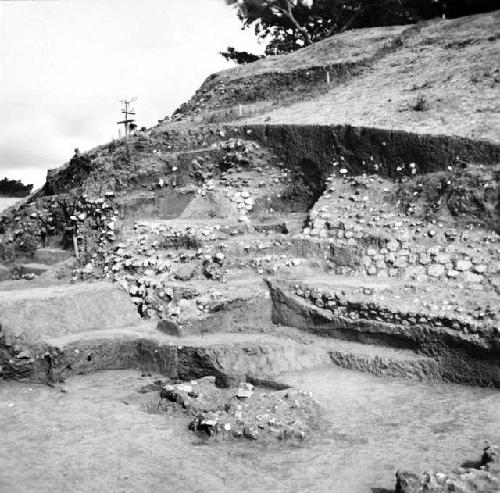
x=228 y=356
x=51 y=256
x=38 y=313
x=384 y=361
x=261 y=357
x=464 y=356
x=368 y=358
x=32 y=268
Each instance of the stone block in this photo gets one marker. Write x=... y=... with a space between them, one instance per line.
x=442 y=258
x=392 y=246
x=424 y=259
x=169 y=327
x=472 y=278
x=344 y=256
x=51 y=256
x=463 y=265
x=366 y=260
x=37 y=269
x=5 y=273
x=401 y=262
x=184 y=272
x=436 y=270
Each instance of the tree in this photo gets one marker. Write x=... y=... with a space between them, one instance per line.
x=14 y=188
x=277 y=19
x=286 y=25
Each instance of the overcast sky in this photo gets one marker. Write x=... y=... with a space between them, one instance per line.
x=66 y=64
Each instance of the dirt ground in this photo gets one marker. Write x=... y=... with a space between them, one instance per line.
x=97 y=433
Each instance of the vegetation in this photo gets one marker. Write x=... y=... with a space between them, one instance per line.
x=240 y=57
x=287 y=25
x=14 y=188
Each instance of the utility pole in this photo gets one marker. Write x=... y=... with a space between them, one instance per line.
x=127 y=111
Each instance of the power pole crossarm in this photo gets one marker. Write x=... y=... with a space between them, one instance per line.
x=127 y=122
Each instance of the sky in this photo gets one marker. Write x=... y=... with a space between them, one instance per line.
x=65 y=65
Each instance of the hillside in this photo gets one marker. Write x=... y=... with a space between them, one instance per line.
x=276 y=224
x=378 y=76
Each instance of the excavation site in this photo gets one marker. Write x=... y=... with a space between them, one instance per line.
x=291 y=284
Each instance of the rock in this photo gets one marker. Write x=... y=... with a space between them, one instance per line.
x=184 y=387
x=407 y=482
x=424 y=259
x=463 y=480
x=480 y=268
x=472 y=278
x=169 y=327
x=250 y=433
x=219 y=258
x=442 y=258
x=245 y=391
x=170 y=393
x=463 y=265
x=366 y=261
x=436 y=270
x=392 y=246
x=26 y=354
x=184 y=272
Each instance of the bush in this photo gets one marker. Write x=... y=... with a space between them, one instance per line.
x=240 y=57
x=421 y=104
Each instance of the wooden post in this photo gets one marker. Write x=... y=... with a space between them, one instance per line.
x=328 y=77
x=75 y=246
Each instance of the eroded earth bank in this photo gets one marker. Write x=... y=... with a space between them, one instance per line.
x=279 y=288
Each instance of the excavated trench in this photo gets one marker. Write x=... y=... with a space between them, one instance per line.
x=358 y=147
x=281 y=336
x=309 y=151
x=366 y=417
x=457 y=357
x=297 y=336
x=370 y=426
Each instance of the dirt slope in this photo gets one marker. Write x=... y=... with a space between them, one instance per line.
x=439 y=77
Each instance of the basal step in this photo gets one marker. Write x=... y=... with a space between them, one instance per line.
x=378 y=360
x=32 y=268
x=39 y=313
x=235 y=356
x=384 y=361
x=51 y=256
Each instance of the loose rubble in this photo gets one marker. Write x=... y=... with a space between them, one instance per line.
x=485 y=478
x=244 y=411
